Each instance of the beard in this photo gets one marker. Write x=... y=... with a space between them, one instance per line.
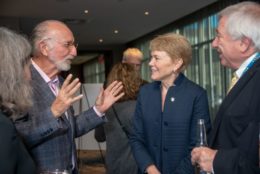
x=62 y=65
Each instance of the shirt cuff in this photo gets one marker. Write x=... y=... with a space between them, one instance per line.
x=97 y=112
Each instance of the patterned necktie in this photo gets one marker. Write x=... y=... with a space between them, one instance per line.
x=233 y=82
x=54 y=85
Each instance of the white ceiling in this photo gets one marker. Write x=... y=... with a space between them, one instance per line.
x=126 y=16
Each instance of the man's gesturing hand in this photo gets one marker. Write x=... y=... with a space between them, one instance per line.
x=66 y=96
x=109 y=96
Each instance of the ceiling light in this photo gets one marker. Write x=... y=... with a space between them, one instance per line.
x=86 y=11
x=100 y=40
x=116 y=31
x=146 y=13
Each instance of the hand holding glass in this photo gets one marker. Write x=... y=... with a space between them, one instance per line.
x=201 y=140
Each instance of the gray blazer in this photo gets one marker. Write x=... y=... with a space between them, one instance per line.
x=119 y=157
x=51 y=140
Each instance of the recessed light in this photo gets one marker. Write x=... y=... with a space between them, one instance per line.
x=146 y=13
x=86 y=11
x=116 y=31
x=100 y=40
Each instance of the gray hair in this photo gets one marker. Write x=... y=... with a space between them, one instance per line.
x=42 y=32
x=15 y=91
x=243 y=20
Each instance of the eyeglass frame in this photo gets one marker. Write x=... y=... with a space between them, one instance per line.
x=67 y=45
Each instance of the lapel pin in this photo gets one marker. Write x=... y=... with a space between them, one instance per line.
x=172 y=99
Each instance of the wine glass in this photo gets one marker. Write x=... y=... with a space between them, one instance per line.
x=201 y=134
x=201 y=140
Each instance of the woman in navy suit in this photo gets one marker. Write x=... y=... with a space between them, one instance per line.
x=14 y=101
x=167 y=110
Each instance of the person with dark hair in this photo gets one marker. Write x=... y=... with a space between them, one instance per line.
x=234 y=141
x=167 y=110
x=50 y=127
x=119 y=158
x=15 y=99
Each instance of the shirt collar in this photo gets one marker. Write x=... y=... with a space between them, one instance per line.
x=43 y=74
x=240 y=70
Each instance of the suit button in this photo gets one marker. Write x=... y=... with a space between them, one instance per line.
x=165 y=149
x=165 y=123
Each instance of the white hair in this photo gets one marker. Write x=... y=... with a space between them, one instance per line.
x=243 y=20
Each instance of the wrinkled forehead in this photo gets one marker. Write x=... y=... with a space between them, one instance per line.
x=61 y=32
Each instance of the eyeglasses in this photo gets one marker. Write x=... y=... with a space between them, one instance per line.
x=68 y=45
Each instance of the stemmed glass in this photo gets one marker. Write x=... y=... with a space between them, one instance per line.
x=201 y=134
x=201 y=140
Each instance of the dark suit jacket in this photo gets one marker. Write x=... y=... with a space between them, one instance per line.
x=166 y=138
x=235 y=132
x=51 y=140
x=14 y=158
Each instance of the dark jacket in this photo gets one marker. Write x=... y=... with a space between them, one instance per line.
x=236 y=129
x=119 y=157
x=14 y=158
x=166 y=138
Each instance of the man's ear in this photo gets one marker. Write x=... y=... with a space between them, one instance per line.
x=44 y=48
x=245 y=44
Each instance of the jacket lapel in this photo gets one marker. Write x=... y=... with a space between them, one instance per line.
x=232 y=95
x=44 y=92
x=41 y=86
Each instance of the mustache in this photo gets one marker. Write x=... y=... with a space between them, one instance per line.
x=218 y=50
x=69 y=58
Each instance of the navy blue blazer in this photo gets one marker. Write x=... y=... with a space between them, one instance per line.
x=166 y=138
x=51 y=140
x=236 y=127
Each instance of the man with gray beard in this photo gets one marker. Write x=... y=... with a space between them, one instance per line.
x=50 y=127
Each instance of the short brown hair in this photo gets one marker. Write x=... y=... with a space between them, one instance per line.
x=175 y=45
